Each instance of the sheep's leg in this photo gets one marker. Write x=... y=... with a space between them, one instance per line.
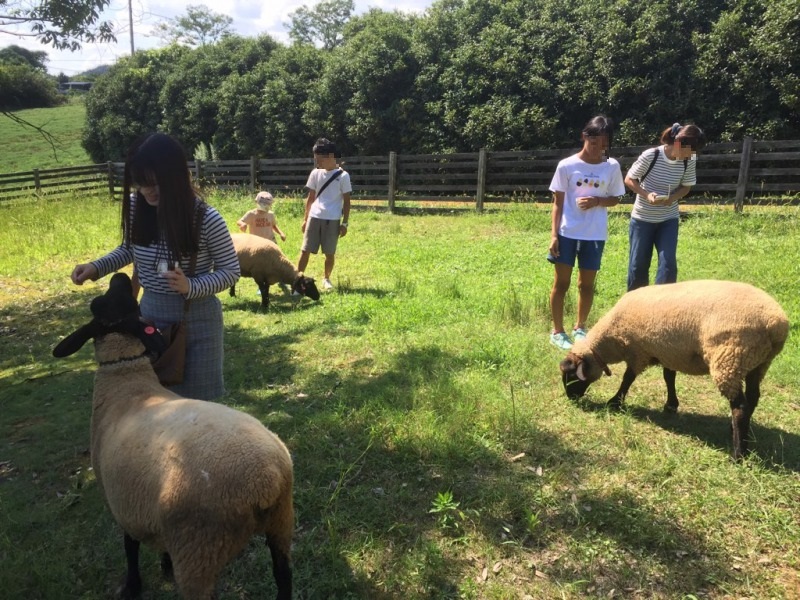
x=264 y=288
x=752 y=390
x=166 y=565
x=282 y=571
x=133 y=580
x=740 y=424
x=233 y=290
x=672 y=396
x=279 y=531
x=741 y=412
x=618 y=399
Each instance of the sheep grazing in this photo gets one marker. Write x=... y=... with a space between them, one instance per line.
x=728 y=329
x=263 y=260
x=195 y=479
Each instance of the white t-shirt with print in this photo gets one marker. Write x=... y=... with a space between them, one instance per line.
x=577 y=178
x=329 y=204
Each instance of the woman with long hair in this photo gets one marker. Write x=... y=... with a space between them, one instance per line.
x=181 y=250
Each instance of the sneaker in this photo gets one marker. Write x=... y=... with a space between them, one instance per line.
x=326 y=284
x=579 y=333
x=561 y=340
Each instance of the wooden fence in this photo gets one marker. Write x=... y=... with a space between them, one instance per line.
x=743 y=172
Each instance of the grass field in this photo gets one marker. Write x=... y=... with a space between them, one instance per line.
x=24 y=149
x=436 y=455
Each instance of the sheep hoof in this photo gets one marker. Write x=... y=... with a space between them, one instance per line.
x=671 y=408
x=614 y=404
x=129 y=589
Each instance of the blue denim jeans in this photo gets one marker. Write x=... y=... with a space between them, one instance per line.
x=643 y=237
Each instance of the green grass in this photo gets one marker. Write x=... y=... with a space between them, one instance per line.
x=24 y=149
x=436 y=455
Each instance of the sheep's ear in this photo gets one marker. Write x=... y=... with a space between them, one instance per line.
x=75 y=341
x=580 y=372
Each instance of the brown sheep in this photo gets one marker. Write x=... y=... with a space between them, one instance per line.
x=728 y=329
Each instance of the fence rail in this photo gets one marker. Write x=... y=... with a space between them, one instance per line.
x=739 y=171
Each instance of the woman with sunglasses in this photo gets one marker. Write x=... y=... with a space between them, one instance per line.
x=660 y=178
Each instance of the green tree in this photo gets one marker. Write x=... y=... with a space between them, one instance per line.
x=64 y=24
x=736 y=95
x=124 y=102
x=323 y=23
x=16 y=55
x=261 y=111
x=494 y=87
x=364 y=97
x=24 y=87
x=189 y=97
x=778 y=46
x=198 y=27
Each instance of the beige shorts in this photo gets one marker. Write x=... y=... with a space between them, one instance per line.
x=323 y=232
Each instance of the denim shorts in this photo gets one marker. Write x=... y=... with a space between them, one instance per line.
x=588 y=252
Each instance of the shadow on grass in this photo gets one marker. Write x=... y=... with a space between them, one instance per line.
x=776 y=448
x=367 y=477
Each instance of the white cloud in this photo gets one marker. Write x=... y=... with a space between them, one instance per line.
x=250 y=18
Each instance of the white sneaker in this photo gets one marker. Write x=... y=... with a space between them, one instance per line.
x=579 y=333
x=326 y=284
x=561 y=340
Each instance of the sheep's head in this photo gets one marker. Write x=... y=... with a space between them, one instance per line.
x=305 y=286
x=116 y=311
x=579 y=371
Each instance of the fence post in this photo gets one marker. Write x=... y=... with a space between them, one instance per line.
x=36 y=182
x=392 y=179
x=198 y=170
x=481 y=192
x=253 y=173
x=744 y=170
x=110 y=166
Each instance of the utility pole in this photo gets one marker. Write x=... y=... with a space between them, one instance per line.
x=130 y=22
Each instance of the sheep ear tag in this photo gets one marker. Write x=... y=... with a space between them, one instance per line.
x=75 y=341
x=150 y=336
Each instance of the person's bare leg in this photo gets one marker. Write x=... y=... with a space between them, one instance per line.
x=586 y=280
x=302 y=262
x=563 y=275
x=330 y=259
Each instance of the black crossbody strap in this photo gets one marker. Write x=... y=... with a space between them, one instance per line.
x=653 y=164
x=650 y=168
x=329 y=181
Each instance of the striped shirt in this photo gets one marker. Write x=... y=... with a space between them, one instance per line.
x=664 y=178
x=217 y=267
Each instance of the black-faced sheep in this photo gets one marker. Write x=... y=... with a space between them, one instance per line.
x=195 y=479
x=263 y=260
x=728 y=329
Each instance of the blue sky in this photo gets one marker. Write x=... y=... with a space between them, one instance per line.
x=250 y=18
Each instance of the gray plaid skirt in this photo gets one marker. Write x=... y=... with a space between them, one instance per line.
x=204 y=351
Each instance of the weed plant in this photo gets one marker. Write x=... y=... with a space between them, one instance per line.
x=436 y=455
